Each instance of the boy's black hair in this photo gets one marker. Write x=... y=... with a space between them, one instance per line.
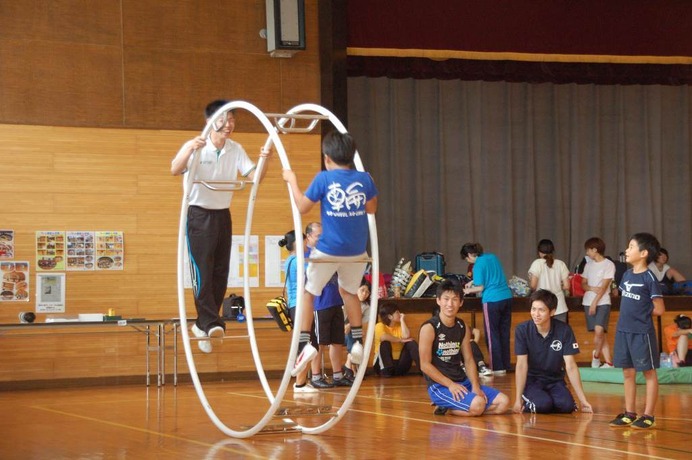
x=545 y=296
x=450 y=285
x=683 y=322
x=213 y=106
x=648 y=242
x=340 y=147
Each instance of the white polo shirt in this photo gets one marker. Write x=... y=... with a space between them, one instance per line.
x=218 y=165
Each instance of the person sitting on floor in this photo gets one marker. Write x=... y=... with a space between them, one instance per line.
x=678 y=341
x=483 y=369
x=395 y=349
x=545 y=349
x=444 y=345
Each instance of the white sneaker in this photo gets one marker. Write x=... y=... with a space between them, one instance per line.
x=357 y=353
x=303 y=359
x=217 y=332
x=304 y=389
x=484 y=371
x=606 y=366
x=204 y=345
x=500 y=372
x=595 y=362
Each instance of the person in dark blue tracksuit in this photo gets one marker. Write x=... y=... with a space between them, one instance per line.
x=545 y=349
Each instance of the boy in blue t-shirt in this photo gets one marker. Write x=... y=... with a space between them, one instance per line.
x=636 y=348
x=346 y=198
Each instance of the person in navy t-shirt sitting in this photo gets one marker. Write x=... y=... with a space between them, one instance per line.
x=545 y=349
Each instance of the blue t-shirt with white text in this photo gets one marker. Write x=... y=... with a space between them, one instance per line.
x=342 y=194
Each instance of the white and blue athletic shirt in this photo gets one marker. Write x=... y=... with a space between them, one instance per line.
x=218 y=165
x=342 y=194
x=636 y=302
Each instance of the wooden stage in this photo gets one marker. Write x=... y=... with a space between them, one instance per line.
x=390 y=418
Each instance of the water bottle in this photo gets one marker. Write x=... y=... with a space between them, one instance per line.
x=666 y=361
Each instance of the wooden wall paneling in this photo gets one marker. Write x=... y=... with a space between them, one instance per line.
x=144 y=64
x=66 y=21
x=193 y=25
x=77 y=179
x=195 y=77
x=58 y=83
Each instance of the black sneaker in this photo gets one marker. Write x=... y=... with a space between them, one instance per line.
x=440 y=410
x=321 y=383
x=348 y=373
x=644 y=422
x=343 y=382
x=623 y=420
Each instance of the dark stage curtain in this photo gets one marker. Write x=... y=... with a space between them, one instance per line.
x=507 y=164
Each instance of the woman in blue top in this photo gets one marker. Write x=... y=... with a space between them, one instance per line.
x=489 y=279
x=290 y=267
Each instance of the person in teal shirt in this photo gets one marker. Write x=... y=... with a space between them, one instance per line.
x=489 y=279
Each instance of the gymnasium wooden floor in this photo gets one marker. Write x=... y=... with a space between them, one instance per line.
x=390 y=418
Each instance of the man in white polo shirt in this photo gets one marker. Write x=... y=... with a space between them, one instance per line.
x=209 y=226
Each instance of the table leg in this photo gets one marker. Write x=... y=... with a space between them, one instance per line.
x=148 y=338
x=175 y=354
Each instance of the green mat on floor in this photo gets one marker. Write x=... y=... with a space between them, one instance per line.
x=665 y=376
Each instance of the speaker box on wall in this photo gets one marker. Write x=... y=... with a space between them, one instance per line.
x=285 y=27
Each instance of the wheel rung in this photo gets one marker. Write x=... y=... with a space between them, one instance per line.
x=203 y=339
x=231 y=186
x=298 y=116
x=329 y=260
x=303 y=410
x=277 y=428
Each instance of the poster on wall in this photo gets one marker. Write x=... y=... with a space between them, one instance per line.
x=235 y=274
x=50 y=292
x=110 y=250
x=81 y=251
x=6 y=244
x=15 y=281
x=274 y=261
x=50 y=251
x=238 y=253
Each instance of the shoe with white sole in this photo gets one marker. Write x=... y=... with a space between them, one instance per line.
x=606 y=366
x=595 y=362
x=305 y=388
x=484 y=371
x=204 y=345
x=216 y=332
x=303 y=359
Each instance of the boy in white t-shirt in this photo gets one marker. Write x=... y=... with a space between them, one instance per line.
x=597 y=277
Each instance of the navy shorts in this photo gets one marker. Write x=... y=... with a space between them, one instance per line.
x=442 y=397
x=329 y=326
x=601 y=318
x=635 y=350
